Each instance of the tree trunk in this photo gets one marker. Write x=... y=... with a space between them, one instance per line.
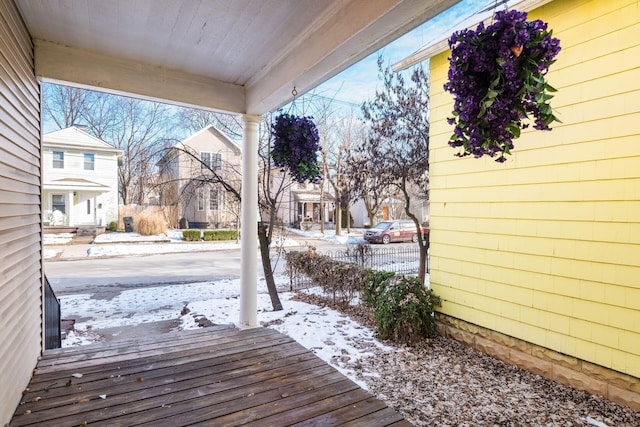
x=424 y=246
x=337 y=217
x=266 y=266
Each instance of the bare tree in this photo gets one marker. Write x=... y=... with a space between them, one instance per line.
x=132 y=125
x=398 y=145
x=136 y=127
x=193 y=120
x=338 y=136
x=366 y=183
x=64 y=105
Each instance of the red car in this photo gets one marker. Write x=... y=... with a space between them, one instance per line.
x=393 y=231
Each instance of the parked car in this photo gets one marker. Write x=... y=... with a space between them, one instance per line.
x=393 y=231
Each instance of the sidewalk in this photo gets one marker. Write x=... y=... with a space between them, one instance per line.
x=77 y=248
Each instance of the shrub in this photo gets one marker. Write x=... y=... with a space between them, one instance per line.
x=191 y=235
x=340 y=280
x=113 y=226
x=404 y=310
x=374 y=282
x=211 y=235
x=150 y=224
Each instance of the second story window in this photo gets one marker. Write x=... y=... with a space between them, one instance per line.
x=205 y=159
x=89 y=161
x=58 y=159
x=211 y=161
x=216 y=161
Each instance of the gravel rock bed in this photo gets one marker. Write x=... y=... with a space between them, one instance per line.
x=442 y=382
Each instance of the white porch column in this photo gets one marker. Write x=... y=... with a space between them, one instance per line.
x=70 y=210
x=249 y=222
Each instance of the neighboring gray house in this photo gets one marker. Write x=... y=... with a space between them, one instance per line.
x=79 y=179
x=185 y=179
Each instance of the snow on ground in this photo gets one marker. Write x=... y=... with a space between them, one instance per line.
x=331 y=335
x=353 y=238
x=57 y=238
x=120 y=244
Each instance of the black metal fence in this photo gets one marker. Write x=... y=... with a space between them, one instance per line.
x=52 y=332
x=403 y=260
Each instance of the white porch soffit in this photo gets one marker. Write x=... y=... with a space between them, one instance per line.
x=242 y=56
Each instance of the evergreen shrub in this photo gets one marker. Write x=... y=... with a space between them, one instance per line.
x=214 y=235
x=191 y=235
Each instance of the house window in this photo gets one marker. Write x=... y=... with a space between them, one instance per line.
x=88 y=206
x=89 y=161
x=216 y=161
x=205 y=160
x=211 y=161
x=200 y=199
x=58 y=159
x=214 y=199
x=57 y=203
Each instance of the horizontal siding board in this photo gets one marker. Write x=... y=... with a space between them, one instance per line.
x=599 y=211
x=14 y=125
x=16 y=93
x=30 y=154
x=9 y=210
x=603 y=232
x=9 y=161
x=562 y=248
x=18 y=35
x=16 y=180
x=19 y=50
x=624 y=166
x=578 y=191
x=612 y=274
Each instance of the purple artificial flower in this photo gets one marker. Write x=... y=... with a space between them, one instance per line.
x=496 y=75
x=296 y=145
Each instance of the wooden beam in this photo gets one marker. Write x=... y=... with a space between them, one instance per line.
x=336 y=41
x=62 y=64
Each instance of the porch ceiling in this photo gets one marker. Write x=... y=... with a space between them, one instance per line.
x=242 y=56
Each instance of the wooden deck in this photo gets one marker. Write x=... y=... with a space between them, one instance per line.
x=217 y=376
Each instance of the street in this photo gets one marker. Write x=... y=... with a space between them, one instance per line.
x=125 y=272
x=87 y=275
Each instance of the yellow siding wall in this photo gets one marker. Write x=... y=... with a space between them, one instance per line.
x=546 y=246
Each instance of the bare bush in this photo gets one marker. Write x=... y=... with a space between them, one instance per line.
x=150 y=224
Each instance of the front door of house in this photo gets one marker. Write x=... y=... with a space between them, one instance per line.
x=86 y=209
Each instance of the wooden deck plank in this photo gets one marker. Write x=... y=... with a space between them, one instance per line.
x=230 y=350
x=169 y=337
x=281 y=407
x=114 y=380
x=344 y=414
x=134 y=391
x=79 y=361
x=221 y=376
x=216 y=403
x=292 y=411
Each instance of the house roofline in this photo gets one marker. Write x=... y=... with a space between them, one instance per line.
x=442 y=45
x=223 y=136
x=52 y=140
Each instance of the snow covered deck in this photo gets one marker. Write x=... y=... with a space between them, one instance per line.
x=212 y=376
